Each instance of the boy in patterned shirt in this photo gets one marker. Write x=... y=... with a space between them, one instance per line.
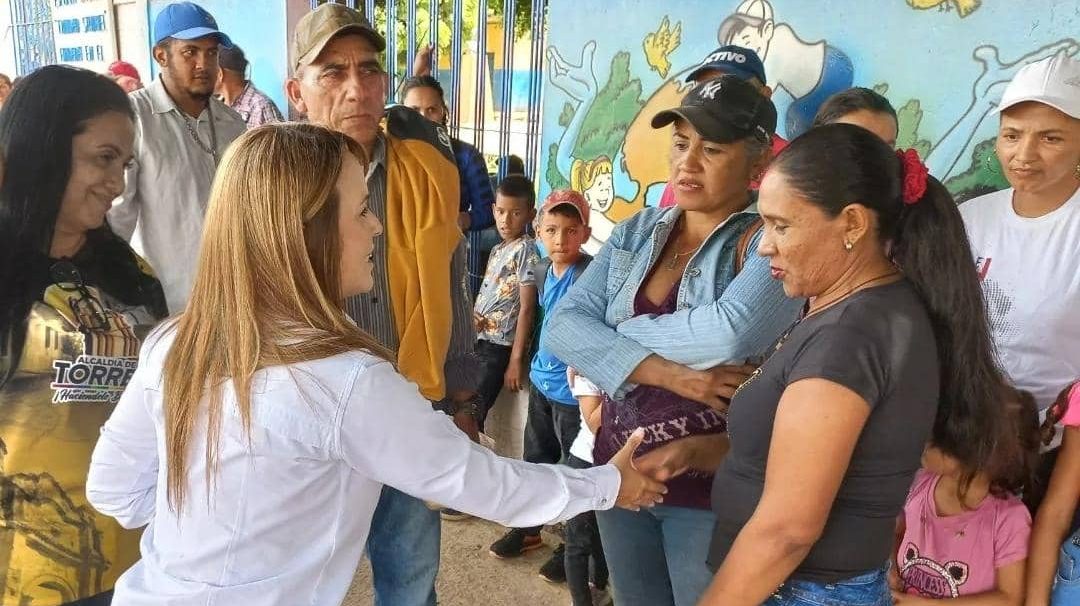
x=507 y=298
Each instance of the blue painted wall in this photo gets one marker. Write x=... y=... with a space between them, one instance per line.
x=942 y=63
x=259 y=27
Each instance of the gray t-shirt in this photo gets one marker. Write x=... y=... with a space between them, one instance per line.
x=880 y=344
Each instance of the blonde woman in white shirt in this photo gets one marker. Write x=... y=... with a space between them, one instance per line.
x=260 y=489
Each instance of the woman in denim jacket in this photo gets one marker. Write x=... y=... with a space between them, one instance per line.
x=664 y=303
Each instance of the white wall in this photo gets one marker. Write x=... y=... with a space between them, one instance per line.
x=132 y=30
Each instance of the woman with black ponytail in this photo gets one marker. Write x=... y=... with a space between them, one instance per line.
x=893 y=350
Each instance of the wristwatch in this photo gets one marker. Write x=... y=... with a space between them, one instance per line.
x=453 y=407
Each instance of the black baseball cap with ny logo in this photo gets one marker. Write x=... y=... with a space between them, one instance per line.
x=724 y=110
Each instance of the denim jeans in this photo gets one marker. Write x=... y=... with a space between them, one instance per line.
x=1067 y=584
x=657 y=557
x=403 y=547
x=493 y=359
x=101 y=599
x=550 y=429
x=870 y=589
x=582 y=545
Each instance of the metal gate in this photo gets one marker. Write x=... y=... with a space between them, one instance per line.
x=34 y=42
x=403 y=14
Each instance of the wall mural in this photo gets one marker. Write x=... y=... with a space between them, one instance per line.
x=942 y=63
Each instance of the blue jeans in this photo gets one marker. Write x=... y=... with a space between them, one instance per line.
x=870 y=589
x=1067 y=584
x=656 y=557
x=403 y=547
x=101 y=599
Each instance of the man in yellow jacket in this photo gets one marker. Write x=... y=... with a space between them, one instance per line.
x=419 y=306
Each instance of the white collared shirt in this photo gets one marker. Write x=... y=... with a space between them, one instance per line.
x=168 y=185
x=290 y=513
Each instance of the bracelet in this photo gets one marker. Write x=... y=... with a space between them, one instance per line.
x=452 y=407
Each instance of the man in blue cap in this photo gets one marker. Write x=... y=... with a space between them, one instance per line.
x=181 y=133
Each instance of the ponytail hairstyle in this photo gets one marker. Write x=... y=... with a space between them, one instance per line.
x=921 y=230
x=1056 y=412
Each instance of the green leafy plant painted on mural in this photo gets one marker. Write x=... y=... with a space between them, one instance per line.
x=555 y=179
x=909 y=118
x=567 y=114
x=610 y=115
x=982 y=177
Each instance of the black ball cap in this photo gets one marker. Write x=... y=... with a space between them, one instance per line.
x=724 y=110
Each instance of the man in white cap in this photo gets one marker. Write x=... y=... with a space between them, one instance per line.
x=419 y=305
x=1026 y=239
x=181 y=133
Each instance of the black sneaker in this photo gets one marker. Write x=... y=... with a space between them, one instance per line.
x=554 y=570
x=514 y=543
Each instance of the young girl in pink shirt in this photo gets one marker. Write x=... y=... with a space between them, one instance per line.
x=965 y=530
x=1053 y=576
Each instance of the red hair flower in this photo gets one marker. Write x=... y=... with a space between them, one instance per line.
x=915 y=175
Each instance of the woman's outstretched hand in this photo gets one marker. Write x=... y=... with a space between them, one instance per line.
x=636 y=489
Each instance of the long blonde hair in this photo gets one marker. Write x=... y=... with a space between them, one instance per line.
x=583 y=173
x=267 y=291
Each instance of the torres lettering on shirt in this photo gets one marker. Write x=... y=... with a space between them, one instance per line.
x=372 y=311
x=78 y=355
x=168 y=184
x=1030 y=272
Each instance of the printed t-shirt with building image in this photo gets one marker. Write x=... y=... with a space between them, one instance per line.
x=77 y=357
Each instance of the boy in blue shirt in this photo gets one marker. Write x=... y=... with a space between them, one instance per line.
x=554 y=418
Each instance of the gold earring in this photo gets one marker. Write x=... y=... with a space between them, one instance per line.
x=1078 y=171
x=848 y=245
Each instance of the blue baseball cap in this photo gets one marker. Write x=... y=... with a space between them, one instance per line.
x=187 y=21
x=734 y=60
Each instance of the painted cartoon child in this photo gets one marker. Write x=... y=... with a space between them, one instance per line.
x=810 y=72
x=594 y=179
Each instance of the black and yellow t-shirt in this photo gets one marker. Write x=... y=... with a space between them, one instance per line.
x=80 y=350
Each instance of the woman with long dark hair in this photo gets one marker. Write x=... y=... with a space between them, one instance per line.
x=894 y=350
x=74 y=299
x=862 y=107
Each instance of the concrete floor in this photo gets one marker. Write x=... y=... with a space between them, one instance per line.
x=468 y=574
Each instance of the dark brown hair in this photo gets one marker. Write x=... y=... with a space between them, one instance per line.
x=835 y=165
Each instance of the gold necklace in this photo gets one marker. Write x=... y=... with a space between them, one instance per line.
x=674 y=262
x=855 y=289
x=806 y=314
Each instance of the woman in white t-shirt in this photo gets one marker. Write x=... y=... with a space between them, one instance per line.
x=255 y=437
x=1026 y=239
